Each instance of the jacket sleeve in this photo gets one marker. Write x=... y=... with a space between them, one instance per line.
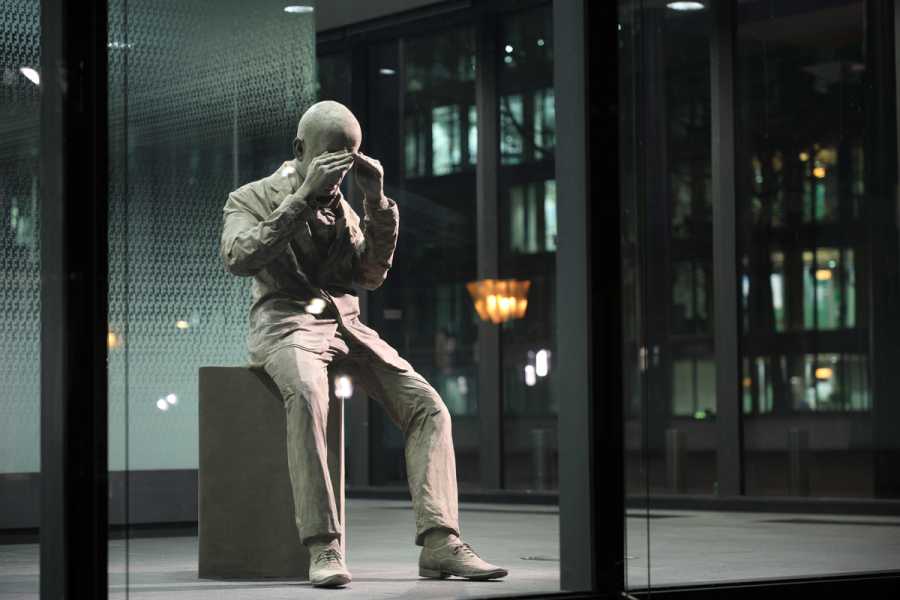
x=380 y=228
x=250 y=242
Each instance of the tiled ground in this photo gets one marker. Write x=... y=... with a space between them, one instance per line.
x=686 y=547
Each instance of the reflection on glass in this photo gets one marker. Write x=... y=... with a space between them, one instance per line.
x=425 y=310
x=524 y=55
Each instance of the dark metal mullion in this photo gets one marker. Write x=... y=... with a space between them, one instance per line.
x=73 y=156
x=490 y=409
x=589 y=310
x=725 y=260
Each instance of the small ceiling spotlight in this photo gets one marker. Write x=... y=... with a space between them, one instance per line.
x=686 y=5
x=31 y=75
x=298 y=9
x=387 y=71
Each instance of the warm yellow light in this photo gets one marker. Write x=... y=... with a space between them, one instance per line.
x=823 y=274
x=747 y=382
x=112 y=340
x=804 y=156
x=824 y=373
x=499 y=300
x=182 y=324
x=819 y=172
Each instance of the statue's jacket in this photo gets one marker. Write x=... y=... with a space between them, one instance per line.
x=266 y=235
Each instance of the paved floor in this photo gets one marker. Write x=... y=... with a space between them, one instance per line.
x=686 y=547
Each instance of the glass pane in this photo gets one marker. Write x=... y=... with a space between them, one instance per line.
x=816 y=268
x=524 y=55
x=20 y=326
x=195 y=112
x=425 y=311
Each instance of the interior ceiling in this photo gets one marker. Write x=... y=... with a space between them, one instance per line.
x=331 y=14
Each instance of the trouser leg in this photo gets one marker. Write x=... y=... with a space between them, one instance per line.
x=420 y=413
x=302 y=378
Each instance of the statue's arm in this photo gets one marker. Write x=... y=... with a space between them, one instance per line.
x=249 y=242
x=380 y=227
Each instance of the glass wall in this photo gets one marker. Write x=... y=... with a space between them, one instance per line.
x=524 y=55
x=789 y=473
x=805 y=249
x=20 y=325
x=422 y=123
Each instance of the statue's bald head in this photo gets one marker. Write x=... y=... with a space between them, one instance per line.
x=326 y=126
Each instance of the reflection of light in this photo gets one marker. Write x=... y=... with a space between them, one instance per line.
x=823 y=274
x=161 y=404
x=112 y=340
x=804 y=156
x=182 y=324
x=172 y=399
x=315 y=306
x=700 y=414
x=463 y=384
x=499 y=300
x=686 y=5
x=30 y=74
x=387 y=71
x=824 y=373
x=747 y=382
x=540 y=42
x=819 y=172
x=530 y=377
x=508 y=49
x=507 y=59
x=542 y=363
x=298 y=9
x=343 y=387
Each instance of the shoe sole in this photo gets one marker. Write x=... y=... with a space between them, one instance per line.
x=436 y=574
x=332 y=581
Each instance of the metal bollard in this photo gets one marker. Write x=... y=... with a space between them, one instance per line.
x=798 y=456
x=539 y=458
x=676 y=460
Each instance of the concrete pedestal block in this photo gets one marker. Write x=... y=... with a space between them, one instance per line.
x=245 y=502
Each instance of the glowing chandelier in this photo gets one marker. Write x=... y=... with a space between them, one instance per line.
x=499 y=300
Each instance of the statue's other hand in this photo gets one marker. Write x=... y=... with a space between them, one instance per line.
x=369 y=176
x=325 y=173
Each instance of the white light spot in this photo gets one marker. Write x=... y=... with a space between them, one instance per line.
x=172 y=399
x=507 y=59
x=686 y=5
x=343 y=387
x=540 y=42
x=508 y=49
x=387 y=71
x=463 y=384
x=182 y=324
x=161 y=404
x=32 y=75
x=530 y=378
x=315 y=306
x=287 y=171
x=542 y=363
x=298 y=9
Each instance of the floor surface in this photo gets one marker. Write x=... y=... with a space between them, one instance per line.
x=686 y=547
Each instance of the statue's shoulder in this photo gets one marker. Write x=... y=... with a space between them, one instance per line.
x=259 y=197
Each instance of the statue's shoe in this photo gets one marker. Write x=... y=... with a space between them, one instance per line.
x=326 y=565
x=456 y=558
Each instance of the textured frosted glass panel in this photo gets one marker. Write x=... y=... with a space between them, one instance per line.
x=204 y=96
x=20 y=408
